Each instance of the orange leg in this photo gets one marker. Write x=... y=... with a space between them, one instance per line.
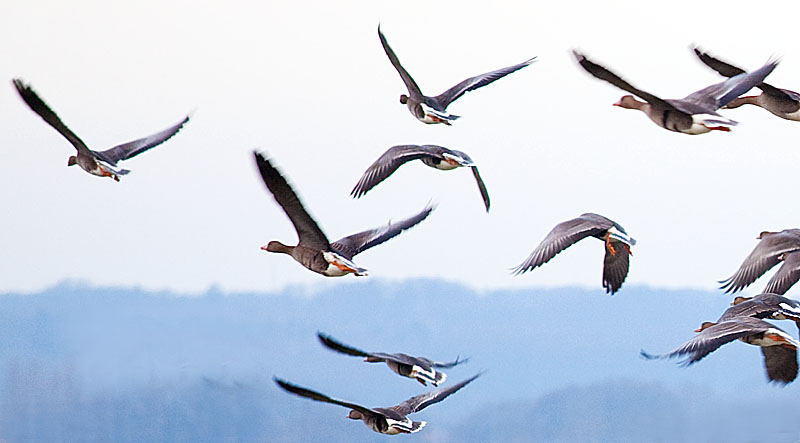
x=780 y=339
x=608 y=245
x=719 y=128
x=343 y=267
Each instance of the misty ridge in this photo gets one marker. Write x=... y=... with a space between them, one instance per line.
x=79 y=363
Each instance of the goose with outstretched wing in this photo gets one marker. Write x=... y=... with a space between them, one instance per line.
x=313 y=249
x=391 y=420
x=434 y=109
x=99 y=163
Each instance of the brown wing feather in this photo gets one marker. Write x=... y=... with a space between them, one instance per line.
x=308 y=233
x=38 y=106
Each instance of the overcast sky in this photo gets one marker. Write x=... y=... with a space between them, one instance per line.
x=309 y=84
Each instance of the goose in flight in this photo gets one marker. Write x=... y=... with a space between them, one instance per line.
x=773 y=248
x=99 y=163
x=434 y=109
x=392 y=420
x=694 y=114
x=434 y=156
x=781 y=102
x=313 y=249
x=778 y=347
x=617 y=245
x=419 y=368
x=766 y=305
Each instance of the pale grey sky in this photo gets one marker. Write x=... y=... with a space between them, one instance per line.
x=309 y=84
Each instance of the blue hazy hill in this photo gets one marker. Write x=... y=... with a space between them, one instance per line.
x=113 y=364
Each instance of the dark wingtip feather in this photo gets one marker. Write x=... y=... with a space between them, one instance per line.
x=647 y=356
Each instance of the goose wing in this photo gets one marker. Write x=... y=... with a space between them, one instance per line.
x=354 y=244
x=787 y=275
x=308 y=233
x=781 y=363
x=604 y=74
x=136 y=147
x=720 y=94
x=562 y=236
x=387 y=163
x=710 y=339
x=764 y=256
x=308 y=393
x=728 y=70
x=615 y=266
x=481 y=187
x=478 y=81
x=38 y=106
x=411 y=85
x=422 y=401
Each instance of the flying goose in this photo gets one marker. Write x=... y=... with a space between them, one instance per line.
x=778 y=347
x=313 y=249
x=391 y=420
x=99 y=163
x=419 y=368
x=781 y=102
x=434 y=156
x=694 y=114
x=434 y=109
x=766 y=305
x=773 y=248
x=617 y=244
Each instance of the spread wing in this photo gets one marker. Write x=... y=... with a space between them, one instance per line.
x=308 y=393
x=478 y=81
x=422 y=401
x=308 y=232
x=787 y=275
x=728 y=70
x=749 y=308
x=720 y=94
x=604 y=74
x=386 y=164
x=561 y=237
x=715 y=336
x=615 y=266
x=337 y=346
x=136 y=147
x=781 y=363
x=411 y=85
x=481 y=187
x=765 y=255
x=357 y=243
x=38 y=106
